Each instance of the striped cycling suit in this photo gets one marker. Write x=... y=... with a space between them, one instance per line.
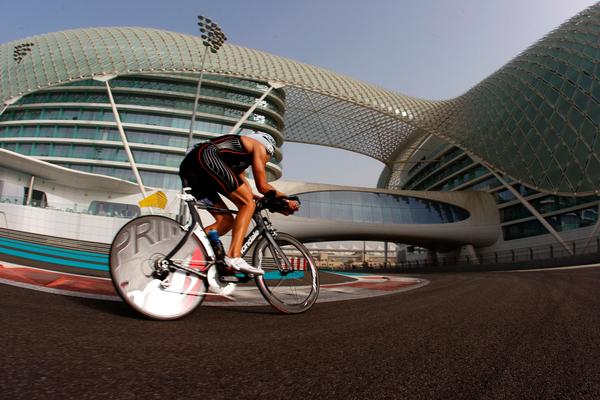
x=214 y=167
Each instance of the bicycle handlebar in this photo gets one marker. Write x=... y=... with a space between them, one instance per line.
x=275 y=204
x=267 y=202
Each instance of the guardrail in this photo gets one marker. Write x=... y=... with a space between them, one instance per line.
x=584 y=251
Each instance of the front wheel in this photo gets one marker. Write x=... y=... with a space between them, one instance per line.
x=291 y=287
x=135 y=254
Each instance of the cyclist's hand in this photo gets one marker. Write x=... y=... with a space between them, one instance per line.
x=293 y=206
x=287 y=207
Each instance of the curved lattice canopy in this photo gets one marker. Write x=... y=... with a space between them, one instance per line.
x=537 y=119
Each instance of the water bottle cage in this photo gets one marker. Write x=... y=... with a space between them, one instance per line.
x=218 y=249
x=216 y=244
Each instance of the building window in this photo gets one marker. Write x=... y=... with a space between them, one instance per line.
x=377 y=208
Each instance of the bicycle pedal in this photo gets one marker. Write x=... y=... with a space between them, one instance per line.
x=224 y=269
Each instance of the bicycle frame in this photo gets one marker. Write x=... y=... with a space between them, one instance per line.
x=262 y=228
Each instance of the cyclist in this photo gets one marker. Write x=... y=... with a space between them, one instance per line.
x=217 y=166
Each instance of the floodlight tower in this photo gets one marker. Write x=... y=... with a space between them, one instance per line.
x=212 y=39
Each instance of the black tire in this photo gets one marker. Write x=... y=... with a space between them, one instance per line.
x=289 y=292
x=133 y=255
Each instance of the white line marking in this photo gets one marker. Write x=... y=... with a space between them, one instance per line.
x=12 y=266
x=60 y=291
x=555 y=268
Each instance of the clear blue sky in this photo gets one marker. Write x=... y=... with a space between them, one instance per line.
x=430 y=49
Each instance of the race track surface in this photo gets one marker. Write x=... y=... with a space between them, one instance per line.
x=526 y=335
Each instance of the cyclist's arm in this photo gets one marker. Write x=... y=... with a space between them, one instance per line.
x=245 y=180
x=259 y=162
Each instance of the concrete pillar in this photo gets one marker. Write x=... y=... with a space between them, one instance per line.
x=385 y=254
x=30 y=191
x=400 y=253
x=113 y=105
x=431 y=257
x=469 y=251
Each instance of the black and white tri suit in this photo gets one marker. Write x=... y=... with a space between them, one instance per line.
x=214 y=167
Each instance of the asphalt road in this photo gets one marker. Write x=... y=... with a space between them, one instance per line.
x=532 y=335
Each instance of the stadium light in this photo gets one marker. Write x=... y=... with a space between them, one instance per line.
x=212 y=39
x=21 y=50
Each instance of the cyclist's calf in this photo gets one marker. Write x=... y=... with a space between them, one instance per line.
x=223 y=223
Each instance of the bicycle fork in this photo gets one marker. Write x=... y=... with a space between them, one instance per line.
x=264 y=227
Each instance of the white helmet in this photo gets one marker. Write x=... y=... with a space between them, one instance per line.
x=264 y=139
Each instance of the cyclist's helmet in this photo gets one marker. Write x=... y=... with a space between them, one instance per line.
x=264 y=139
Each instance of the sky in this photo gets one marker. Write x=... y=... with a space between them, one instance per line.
x=432 y=49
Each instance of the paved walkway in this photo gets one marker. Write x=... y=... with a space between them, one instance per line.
x=355 y=286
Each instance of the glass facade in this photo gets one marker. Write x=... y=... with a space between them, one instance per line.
x=274 y=102
x=462 y=178
x=417 y=183
x=75 y=121
x=488 y=183
x=147 y=100
x=377 y=208
x=93 y=152
x=562 y=222
x=505 y=195
x=544 y=205
x=454 y=170
x=425 y=167
x=136 y=117
x=92 y=133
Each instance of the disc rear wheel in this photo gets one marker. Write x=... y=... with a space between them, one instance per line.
x=135 y=258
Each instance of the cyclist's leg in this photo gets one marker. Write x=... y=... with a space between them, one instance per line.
x=224 y=180
x=223 y=221
x=243 y=198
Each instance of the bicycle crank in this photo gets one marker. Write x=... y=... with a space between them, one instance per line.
x=218 y=285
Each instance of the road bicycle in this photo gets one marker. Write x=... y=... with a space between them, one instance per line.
x=164 y=270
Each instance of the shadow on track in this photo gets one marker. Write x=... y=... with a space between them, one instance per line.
x=120 y=309
x=117 y=308
x=266 y=310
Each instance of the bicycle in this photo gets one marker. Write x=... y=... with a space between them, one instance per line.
x=163 y=270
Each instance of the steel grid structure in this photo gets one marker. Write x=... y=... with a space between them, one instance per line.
x=536 y=120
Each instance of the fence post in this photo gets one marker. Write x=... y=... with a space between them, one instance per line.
x=574 y=249
x=530 y=254
x=512 y=252
x=551 y=251
x=496 y=257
